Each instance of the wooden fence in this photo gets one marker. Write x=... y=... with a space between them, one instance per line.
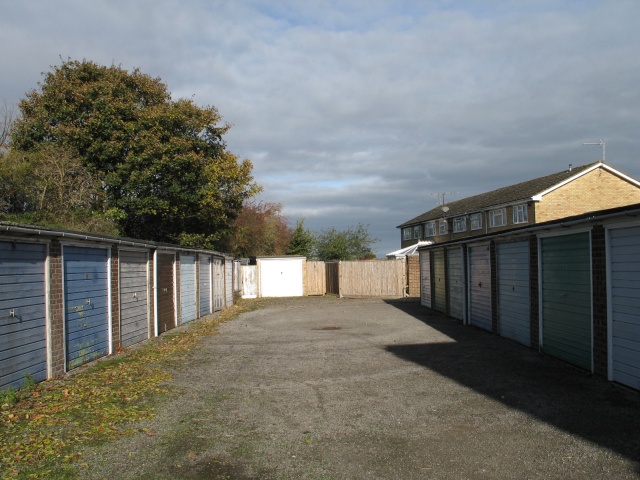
x=373 y=278
x=366 y=278
x=316 y=278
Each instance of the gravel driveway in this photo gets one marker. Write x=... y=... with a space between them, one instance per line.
x=328 y=388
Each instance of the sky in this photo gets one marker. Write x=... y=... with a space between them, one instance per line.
x=366 y=111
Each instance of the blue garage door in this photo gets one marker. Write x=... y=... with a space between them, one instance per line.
x=624 y=247
x=86 y=287
x=480 y=287
x=205 y=285
x=188 y=288
x=23 y=346
x=513 y=291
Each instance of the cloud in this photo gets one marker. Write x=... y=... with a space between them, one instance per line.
x=358 y=111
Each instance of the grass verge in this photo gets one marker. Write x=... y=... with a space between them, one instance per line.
x=43 y=426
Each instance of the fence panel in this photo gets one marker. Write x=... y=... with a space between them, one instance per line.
x=316 y=278
x=373 y=278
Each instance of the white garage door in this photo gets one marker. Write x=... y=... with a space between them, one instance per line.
x=455 y=274
x=624 y=365
x=280 y=277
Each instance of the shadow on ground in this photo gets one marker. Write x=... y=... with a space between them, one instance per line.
x=545 y=388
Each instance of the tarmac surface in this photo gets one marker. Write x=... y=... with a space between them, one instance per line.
x=328 y=388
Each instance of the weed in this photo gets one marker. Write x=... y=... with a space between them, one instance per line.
x=8 y=396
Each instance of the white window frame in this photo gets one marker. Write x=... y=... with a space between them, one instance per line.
x=406 y=233
x=460 y=224
x=476 y=221
x=498 y=217
x=443 y=227
x=430 y=229
x=417 y=232
x=520 y=214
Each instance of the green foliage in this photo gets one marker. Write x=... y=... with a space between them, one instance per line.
x=301 y=242
x=351 y=244
x=162 y=164
x=260 y=229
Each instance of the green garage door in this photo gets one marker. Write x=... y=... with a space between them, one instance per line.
x=566 y=298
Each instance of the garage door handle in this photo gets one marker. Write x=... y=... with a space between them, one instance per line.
x=87 y=301
x=480 y=284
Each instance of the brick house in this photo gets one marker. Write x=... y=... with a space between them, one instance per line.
x=574 y=191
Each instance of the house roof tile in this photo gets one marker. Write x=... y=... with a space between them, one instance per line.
x=519 y=192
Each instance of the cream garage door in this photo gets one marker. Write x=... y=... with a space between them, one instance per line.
x=280 y=277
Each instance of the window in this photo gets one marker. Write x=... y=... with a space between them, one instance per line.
x=520 y=214
x=476 y=221
x=406 y=234
x=417 y=232
x=443 y=227
x=459 y=224
x=497 y=218
x=430 y=229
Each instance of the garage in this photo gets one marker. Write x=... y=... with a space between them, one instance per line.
x=165 y=312
x=218 y=284
x=205 y=285
x=455 y=274
x=566 y=298
x=624 y=306
x=188 y=307
x=480 y=287
x=86 y=304
x=23 y=336
x=440 y=286
x=514 y=304
x=281 y=276
x=134 y=296
x=425 y=278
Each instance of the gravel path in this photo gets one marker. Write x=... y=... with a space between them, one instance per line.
x=328 y=388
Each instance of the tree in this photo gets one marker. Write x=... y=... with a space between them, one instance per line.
x=351 y=244
x=301 y=242
x=164 y=166
x=260 y=229
x=7 y=118
x=51 y=186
